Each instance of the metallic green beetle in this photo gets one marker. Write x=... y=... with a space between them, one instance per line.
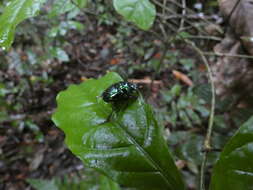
x=120 y=91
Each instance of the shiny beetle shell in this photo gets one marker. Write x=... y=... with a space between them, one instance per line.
x=120 y=91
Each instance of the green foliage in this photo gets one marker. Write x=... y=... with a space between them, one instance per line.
x=188 y=146
x=80 y=3
x=184 y=108
x=128 y=148
x=40 y=184
x=106 y=183
x=59 y=53
x=15 y=13
x=60 y=7
x=64 y=27
x=140 y=12
x=89 y=181
x=234 y=169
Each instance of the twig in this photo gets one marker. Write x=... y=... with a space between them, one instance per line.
x=163 y=30
x=188 y=16
x=232 y=11
x=202 y=171
x=193 y=37
x=207 y=142
x=183 y=15
x=228 y=55
x=170 y=26
x=194 y=26
x=165 y=37
x=214 y=38
x=172 y=12
x=173 y=21
x=156 y=34
x=193 y=12
x=230 y=15
x=164 y=5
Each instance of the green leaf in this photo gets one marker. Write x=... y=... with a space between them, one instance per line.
x=40 y=184
x=90 y=182
x=184 y=35
x=129 y=148
x=234 y=169
x=15 y=13
x=64 y=27
x=140 y=12
x=87 y=179
x=108 y=184
x=176 y=90
x=193 y=116
x=60 y=7
x=80 y=3
x=184 y=118
x=59 y=53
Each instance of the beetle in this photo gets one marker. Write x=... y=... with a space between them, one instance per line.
x=120 y=91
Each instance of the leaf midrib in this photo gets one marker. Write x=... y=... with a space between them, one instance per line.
x=159 y=169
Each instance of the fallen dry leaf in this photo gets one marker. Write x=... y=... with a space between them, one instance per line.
x=157 y=55
x=184 y=78
x=83 y=78
x=114 y=61
x=202 y=68
x=146 y=81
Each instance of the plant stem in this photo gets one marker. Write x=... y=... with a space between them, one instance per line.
x=183 y=15
x=202 y=171
x=207 y=142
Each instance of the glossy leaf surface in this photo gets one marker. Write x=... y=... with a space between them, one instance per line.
x=234 y=169
x=129 y=148
x=107 y=184
x=15 y=13
x=140 y=12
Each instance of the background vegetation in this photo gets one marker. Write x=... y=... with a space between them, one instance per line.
x=70 y=42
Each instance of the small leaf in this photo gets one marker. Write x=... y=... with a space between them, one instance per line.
x=40 y=184
x=60 y=7
x=184 y=118
x=15 y=13
x=176 y=90
x=184 y=35
x=80 y=3
x=59 y=53
x=140 y=12
x=193 y=116
x=234 y=169
x=129 y=148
